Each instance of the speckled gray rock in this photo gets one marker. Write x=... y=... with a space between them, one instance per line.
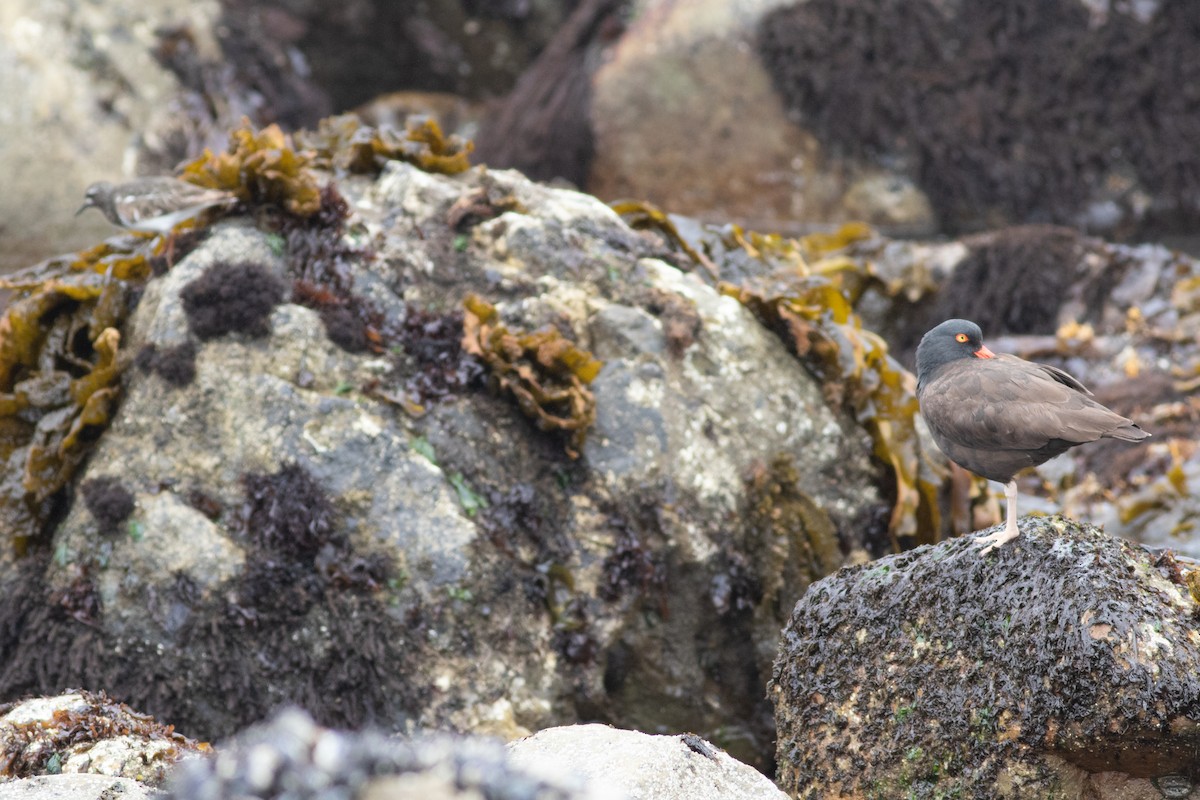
x=76 y=787
x=641 y=766
x=1061 y=666
x=462 y=570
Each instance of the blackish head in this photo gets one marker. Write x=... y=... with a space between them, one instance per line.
x=950 y=341
x=96 y=196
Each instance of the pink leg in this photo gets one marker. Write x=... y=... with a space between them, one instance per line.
x=994 y=540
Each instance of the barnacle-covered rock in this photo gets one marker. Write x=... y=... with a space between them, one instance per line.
x=1059 y=667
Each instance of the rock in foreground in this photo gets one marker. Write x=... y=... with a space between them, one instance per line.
x=1064 y=665
x=641 y=765
x=293 y=757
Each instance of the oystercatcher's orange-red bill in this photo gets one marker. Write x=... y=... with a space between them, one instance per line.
x=983 y=352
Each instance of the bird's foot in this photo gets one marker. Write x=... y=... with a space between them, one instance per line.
x=987 y=544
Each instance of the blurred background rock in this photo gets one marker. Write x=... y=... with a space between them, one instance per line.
x=940 y=119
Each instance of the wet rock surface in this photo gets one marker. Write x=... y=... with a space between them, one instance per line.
x=1062 y=665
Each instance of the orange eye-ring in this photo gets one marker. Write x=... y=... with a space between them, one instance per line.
x=962 y=337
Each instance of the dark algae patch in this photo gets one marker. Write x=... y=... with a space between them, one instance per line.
x=109 y=502
x=175 y=365
x=931 y=673
x=232 y=298
x=994 y=104
x=308 y=621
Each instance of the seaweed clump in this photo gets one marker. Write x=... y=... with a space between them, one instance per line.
x=37 y=746
x=346 y=144
x=58 y=387
x=546 y=374
x=261 y=168
x=811 y=309
x=230 y=298
x=109 y=502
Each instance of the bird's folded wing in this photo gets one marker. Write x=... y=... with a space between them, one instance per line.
x=995 y=406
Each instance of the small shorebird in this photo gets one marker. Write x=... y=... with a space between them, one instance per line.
x=152 y=204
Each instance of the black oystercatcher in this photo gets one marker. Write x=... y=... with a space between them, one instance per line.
x=997 y=414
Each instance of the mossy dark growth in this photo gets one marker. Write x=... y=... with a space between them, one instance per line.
x=1012 y=281
x=680 y=320
x=175 y=365
x=976 y=95
x=634 y=567
x=518 y=523
x=288 y=513
x=108 y=501
x=307 y=623
x=1015 y=280
x=321 y=260
x=429 y=350
x=79 y=599
x=30 y=747
x=232 y=298
x=544 y=372
x=925 y=674
x=345 y=329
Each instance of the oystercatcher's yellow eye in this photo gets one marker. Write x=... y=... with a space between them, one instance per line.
x=962 y=337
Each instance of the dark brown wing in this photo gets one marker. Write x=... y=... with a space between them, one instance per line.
x=1007 y=403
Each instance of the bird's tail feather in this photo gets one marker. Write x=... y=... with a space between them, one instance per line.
x=1129 y=433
